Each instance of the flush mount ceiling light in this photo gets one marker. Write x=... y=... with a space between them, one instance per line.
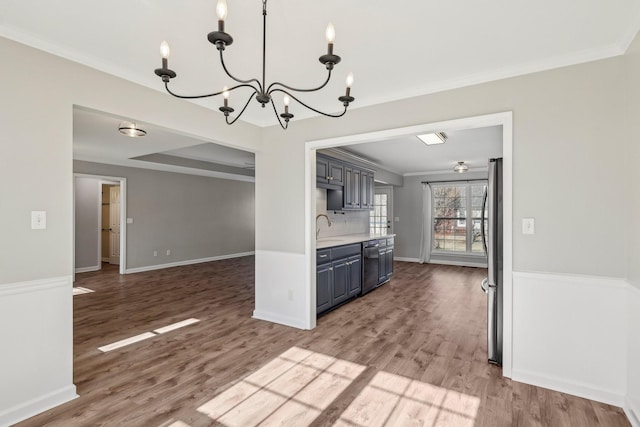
x=433 y=138
x=258 y=89
x=461 y=167
x=131 y=129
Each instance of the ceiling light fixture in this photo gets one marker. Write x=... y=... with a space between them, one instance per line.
x=433 y=138
x=259 y=89
x=131 y=129
x=461 y=167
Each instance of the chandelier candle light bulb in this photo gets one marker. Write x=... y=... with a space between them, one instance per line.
x=164 y=52
x=221 y=11
x=349 y=83
x=260 y=89
x=330 y=33
x=225 y=95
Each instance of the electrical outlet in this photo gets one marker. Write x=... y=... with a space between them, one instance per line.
x=155 y=253
x=168 y=252
x=528 y=226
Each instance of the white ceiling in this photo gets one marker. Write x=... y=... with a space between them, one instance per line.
x=395 y=49
x=410 y=156
x=96 y=139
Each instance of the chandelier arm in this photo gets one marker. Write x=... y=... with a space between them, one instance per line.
x=278 y=117
x=311 y=108
x=224 y=67
x=241 y=111
x=270 y=90
x=166 y=85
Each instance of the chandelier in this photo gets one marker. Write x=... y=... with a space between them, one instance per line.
x=260 y=91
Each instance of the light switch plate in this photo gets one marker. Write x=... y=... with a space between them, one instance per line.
x=129 y=220
x=38 y=220
x=528 y=226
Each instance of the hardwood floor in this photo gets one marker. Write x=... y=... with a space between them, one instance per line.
x=412 y=352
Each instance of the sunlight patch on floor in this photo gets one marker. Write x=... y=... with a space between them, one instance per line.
x=393 y=400
x=147 y=335
x=80 y=290
x=292 y=389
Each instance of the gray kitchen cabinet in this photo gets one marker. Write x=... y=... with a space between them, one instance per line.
x=340 y=281
x=367 y=189
x=339 y=277
x=329 y=171
x=349 y=187
x=324 y=282
x=355 y=275
x=385 y=260
x=352 y=188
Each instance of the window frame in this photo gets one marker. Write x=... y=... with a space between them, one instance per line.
x=469 y=219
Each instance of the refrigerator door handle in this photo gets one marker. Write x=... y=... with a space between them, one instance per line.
x=483 y=219
x=485 y=285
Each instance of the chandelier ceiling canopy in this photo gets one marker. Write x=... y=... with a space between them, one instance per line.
x=258 y=87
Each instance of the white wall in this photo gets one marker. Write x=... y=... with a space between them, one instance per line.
x=630 y=161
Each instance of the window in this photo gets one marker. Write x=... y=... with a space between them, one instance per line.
x=378 y=221
x=457 y=217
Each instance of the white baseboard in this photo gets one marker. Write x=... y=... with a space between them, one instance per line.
x=459 y=263
x=403 y=259
x=186 y=262
x=88 y=269
x=573 y=388
x=443 y=262
x=632 y=411
x=277 y=318
x=36 y=406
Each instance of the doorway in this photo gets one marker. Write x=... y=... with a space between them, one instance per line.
x=99 y=222
x=381 y=217
x=503 y=119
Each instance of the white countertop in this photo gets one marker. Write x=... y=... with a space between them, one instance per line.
x=327 y=242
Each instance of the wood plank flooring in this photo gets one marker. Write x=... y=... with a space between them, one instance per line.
x=410 y=353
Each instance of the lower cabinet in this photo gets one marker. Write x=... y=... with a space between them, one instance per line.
x=339 y=279
x=385 y=260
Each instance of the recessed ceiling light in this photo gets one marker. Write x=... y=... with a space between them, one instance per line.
x=131 y=129
x=433 y=138
x=461 y=167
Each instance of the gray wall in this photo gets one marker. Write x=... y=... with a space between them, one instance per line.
x=193 y=216
x=407 y=206
x=562 y=157
x=87 y=208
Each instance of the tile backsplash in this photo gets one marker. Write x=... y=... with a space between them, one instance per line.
x=343 y=222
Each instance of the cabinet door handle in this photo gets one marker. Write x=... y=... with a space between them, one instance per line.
x=323 y=256
x=330 y=268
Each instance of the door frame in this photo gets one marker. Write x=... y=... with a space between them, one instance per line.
x=505 y=119
x=390 y=218
x=123 y=218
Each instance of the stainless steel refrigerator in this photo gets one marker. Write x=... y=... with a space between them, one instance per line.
x=492 y=240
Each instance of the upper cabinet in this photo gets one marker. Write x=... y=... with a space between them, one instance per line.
x=351 y=186
x=329 y=171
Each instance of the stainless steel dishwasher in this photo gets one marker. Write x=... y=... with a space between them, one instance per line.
x=371 y=255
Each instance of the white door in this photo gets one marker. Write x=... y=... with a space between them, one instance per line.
x=381 y=217
x=114 y=225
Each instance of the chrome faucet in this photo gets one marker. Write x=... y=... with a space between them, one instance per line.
x=328 y=222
